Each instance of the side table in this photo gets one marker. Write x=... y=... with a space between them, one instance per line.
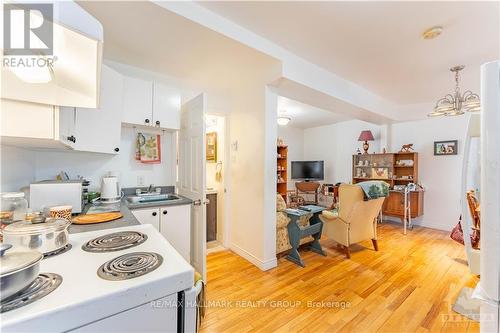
x=296 y=232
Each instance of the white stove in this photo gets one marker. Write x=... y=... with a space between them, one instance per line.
x=86 y=302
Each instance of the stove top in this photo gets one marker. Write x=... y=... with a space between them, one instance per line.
x=129 y=266
x=115 y=242
x=43 y=285
x=84 y=291
x=58 y=251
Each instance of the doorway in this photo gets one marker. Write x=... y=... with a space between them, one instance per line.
x=216 y=169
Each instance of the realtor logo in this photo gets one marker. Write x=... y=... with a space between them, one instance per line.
x=28 y=29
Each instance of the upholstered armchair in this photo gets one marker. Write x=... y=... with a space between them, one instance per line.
x=356 y=220
x=282 y=220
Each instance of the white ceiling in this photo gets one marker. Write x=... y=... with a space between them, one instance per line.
x=378 y=45
x=306 y=116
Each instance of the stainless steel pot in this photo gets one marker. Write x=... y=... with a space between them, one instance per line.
x=18 y=270
x=40 y=234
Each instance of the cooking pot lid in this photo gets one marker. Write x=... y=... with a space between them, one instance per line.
x=14 y=261
x=28 y=227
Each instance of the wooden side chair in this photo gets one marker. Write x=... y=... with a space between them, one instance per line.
x=473 y=204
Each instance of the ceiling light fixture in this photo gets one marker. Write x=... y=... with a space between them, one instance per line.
x=456 y=104
x=283 y=121
x=433 y=32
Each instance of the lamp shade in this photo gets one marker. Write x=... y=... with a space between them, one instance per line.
x=366 y=136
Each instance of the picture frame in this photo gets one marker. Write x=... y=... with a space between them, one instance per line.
x=211 y=147
x=443 y=148
x=380 y=173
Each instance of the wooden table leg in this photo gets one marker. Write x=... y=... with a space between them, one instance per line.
x=294 y=238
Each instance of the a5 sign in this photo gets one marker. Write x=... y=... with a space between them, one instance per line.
x=28 y=29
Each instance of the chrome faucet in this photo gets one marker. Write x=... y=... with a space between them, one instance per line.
x=151 y=188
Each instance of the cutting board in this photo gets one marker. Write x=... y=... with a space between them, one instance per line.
x=96 y=218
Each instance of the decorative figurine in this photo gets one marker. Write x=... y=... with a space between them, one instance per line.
x=406 y=148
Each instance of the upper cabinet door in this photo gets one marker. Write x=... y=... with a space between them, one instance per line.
x=166 y=106
x=98 y=130
x=137 y=101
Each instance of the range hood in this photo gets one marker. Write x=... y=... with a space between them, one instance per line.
x=73 y=76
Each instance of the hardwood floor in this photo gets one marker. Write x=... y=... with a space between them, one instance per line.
x=409 y=285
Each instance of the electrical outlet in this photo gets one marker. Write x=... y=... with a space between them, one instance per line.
x=141 y=181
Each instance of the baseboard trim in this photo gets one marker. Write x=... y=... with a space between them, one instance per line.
x=262 y=265
x=421 y=223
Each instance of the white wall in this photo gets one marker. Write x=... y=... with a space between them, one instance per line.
x=335 y=144
x=440 y=175
x=20 y=166
x=93 y=166
x=294 y=139
x=17 y=168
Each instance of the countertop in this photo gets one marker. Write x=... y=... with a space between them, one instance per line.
x=128 y=218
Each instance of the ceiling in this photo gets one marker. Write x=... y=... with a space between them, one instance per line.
x=145 y=35
x=306 y=116
x=378 y=45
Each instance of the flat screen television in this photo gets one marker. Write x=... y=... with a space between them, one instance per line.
x=308 y=170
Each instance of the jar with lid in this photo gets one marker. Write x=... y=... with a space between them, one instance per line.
x=13 y=207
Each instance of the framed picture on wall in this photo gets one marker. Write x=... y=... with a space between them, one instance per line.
x=446 y=147
x=212 y=147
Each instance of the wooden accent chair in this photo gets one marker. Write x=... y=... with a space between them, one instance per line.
x=473 y=204
x=307 y=190
x=356 y=220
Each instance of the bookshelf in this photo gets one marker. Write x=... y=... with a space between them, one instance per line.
x=282 y=170
x=395 y=169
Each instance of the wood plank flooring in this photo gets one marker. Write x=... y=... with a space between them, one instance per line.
x=409 y=285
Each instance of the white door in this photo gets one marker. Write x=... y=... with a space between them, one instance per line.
x=166 y=111
x=192 y=175
x=98 y=130
x=137 y=101
x=175 y=226
x=148 y=216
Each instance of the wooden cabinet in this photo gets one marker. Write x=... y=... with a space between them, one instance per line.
x=148 y=103
x=282 y=169
x=173 y=222
x=137 y=101
x=212 y=217
x=175 y=226
x=148 y=216
x=99 y=130
x=396 y=169
x=394 y=204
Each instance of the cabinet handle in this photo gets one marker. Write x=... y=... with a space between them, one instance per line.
x=165 y=212
x=117 y=149
x=71 y=138
x=157 y=123
x=154 y=214
x=146 y=121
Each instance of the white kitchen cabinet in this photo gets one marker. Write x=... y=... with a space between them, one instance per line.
x=166 y=106
x=98 y=130
x=173 y=222
x=148 y=216
x=137 y=101
x=36 y=125
x=148 y=103
x=175 y=226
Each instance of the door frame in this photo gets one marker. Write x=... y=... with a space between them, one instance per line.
x=226 y=179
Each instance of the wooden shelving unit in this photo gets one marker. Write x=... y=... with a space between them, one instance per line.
x=395 y=169
x=282 y=169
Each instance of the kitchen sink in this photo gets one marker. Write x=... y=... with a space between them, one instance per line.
x=151 y=197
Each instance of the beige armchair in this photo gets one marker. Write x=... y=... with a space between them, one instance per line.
x=356 y=220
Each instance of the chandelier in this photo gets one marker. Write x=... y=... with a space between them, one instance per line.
x=456 y=104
